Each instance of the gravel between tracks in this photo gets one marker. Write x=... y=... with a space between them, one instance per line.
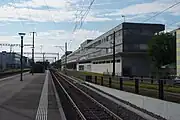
x=68 y=108
x=89 y=109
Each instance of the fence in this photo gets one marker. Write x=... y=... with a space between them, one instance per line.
x=162 y=88
x=117 y=82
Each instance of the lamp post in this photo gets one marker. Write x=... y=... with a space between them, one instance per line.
x=22 y=35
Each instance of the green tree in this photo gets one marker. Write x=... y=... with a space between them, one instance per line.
x=162 y=49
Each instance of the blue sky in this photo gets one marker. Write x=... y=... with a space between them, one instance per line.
x=54 y=20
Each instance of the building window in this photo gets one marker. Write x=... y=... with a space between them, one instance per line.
x=108 y=61
x=106 y=38
x=125 y=32
x=136 y=46
x=109 y=38
x=146 y=32
x=109 y=50
x=106 y=50
x=178 y=36
x=118 y=61
x=81 y=67
x=143 y=46
x=118 y=33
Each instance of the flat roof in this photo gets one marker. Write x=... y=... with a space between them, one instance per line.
x=120 y=27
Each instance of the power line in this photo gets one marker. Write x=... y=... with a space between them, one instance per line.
x=82 y=18
x=21 y=22
x=49 y=12
x=162 y=11
x=106 y=3
x=86 y=13
x=174 y=23
x=36 y=12
x=78 y=16
x=168 y=25
x=30 y=17
x=76 y=21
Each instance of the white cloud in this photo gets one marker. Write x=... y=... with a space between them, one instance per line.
x=175 y=11
x=41 y=3
x=144 y=8
x=14 y=14
x=65 y=10
x=172 y=26
x=31 y=23
x=133 y=18
x=4 y=23
x=93 y=19
x=51 y=38
x=25 y=11
x=83 y=34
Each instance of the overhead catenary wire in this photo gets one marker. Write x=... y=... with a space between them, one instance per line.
x=30 y=16
x=105 y=3
x=89 y=8
x=78 y=15
x=82 y=18
x=52 y=18
x=21 y=22
x=170 y=25
x=36 y=12
x=175 y=4
x=76 y=21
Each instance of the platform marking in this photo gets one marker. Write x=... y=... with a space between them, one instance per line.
x=43 y=103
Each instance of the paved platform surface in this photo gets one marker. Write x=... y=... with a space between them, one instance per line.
x=31 y=99
x=168 y=110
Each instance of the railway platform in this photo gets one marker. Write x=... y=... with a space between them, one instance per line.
x=165 y=109
x=34 y=98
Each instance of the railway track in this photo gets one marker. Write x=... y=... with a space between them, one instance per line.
x=84 y=106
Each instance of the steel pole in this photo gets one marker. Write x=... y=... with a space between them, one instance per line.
x=43 y=57
x=65 y=57
x=1 y=61
x=33 y=55
x=21 y=79
x=58 y=55
x=114 y=64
